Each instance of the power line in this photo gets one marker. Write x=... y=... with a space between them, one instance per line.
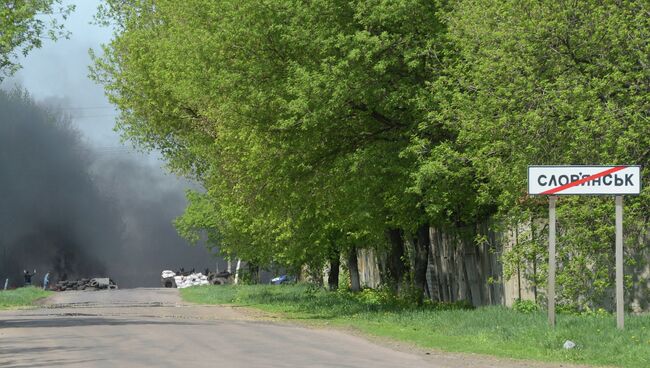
x=94 y=116
x=88 y=108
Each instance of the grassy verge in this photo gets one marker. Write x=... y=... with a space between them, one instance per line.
x=489 y=330
x=21 y=297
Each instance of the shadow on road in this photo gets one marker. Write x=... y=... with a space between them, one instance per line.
x=24 y=363
x=82 y=321
x=21 y=352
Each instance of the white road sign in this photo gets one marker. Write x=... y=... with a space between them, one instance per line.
x=585 y=180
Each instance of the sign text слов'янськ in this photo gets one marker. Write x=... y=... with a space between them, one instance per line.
x=586 y=180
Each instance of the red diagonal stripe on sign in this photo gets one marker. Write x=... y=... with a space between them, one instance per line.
x=584 y=180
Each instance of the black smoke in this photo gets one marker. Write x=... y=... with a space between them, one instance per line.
x=75 y=213
x=148 y=201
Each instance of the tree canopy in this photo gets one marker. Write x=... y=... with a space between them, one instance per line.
x=317 y=127
x=553 y=82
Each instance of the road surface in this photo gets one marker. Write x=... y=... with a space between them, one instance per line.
x=154 y=328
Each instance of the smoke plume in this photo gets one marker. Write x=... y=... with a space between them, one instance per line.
x=67 y=210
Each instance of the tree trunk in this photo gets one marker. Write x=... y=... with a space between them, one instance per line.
x=254 y=273
x=439 y=257
x=395 y=262
x=237 y=271
x=421 y=261
x=353 y=267
x=333 y=277
x=435 y=286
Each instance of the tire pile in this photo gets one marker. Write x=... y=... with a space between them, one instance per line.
x=221 y=278
x=101 y=283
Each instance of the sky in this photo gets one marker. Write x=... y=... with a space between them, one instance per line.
x=57 y=74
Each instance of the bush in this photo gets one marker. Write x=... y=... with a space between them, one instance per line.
x=525 y=306
x=598 y=312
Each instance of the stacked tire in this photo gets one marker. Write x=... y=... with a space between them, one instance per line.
x=86 y=284
x=167 y=279
x=221 y=278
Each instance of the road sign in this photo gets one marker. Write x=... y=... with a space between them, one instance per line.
x=584 y=180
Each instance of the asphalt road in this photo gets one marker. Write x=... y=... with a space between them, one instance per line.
x=154 y=328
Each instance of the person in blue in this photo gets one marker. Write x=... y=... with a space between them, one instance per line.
x=46 y=281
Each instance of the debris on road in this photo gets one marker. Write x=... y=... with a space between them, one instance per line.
x=99 y=283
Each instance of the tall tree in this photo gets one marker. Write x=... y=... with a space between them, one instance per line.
x=293 y=115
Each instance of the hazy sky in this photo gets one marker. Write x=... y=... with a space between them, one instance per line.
x=58 y=73
x=59 y=70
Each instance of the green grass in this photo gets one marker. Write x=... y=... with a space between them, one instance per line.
x=495 y=331
x=21 y=297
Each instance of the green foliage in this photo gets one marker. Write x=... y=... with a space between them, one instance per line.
x=309 y=298
x=546 y=82
x=315 y=126
x=525 y=306
x=374 y=297
x=292 y=115
x=21 y=297
x=599 y=312
x=571 y=309
x=24 y=24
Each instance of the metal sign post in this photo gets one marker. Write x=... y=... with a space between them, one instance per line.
x=551 y=260
x=585 y=180
x=620 y=307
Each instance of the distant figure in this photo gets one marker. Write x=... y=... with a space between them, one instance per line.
x=46 y=281
x=28 y=277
